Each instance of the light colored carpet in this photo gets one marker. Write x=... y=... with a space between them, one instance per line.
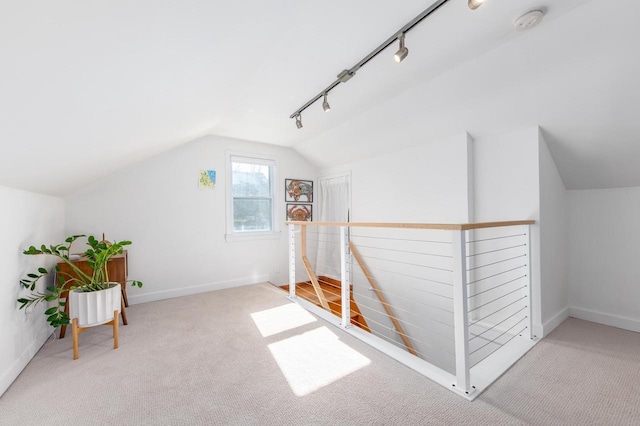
x=206 y=360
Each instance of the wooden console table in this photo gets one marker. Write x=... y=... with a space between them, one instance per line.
x=117 y=268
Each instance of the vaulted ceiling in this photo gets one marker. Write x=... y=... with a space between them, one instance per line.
x=89 y=88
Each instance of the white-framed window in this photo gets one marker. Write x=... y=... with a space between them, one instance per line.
x=251 y=201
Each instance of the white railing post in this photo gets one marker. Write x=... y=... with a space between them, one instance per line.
x=527 y=283
x=460 y=310
x=292 y=261
x=344 y=277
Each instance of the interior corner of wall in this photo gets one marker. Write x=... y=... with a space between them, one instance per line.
x=557 y=319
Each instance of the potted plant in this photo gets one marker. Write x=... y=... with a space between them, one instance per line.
x=78 y=283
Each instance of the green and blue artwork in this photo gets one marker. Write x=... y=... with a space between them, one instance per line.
x=207 y=179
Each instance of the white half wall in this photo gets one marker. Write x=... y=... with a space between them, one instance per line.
x=178 y=230
x=603 y=256
x=25 y=219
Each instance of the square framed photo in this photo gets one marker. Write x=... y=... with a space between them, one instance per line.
x=300 y=212
x=298 y=191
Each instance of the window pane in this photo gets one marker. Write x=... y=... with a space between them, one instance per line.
x=250 y=180
x=251 y=214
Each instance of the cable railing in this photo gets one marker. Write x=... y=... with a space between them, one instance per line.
x=448 y=300
x=498 y=289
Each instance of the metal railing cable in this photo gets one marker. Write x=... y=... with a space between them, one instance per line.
x=406 y=299
x=498 y=346
x=497 y=311
x=399 y=344
x=496 y=325
x=495 y=238
x=414 y=314
x=374 y=268
x=411 y=323
x=496 y=262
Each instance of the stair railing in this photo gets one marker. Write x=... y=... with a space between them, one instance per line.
x=479 y=279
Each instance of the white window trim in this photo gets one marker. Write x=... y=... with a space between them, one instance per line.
x=231 y=234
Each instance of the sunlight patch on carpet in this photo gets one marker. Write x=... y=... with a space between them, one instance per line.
x=282 y=318
x=315 y=359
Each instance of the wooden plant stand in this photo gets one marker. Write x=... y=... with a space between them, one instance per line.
x=76 y=330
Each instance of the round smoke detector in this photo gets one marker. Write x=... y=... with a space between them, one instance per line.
x=528 y=20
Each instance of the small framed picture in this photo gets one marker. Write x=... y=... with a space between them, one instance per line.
x=300 y=212
x=207 y=179
x=298 y=191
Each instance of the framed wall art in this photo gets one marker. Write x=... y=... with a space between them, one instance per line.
x=299 y=191
x=207 y=179
x=300 y=212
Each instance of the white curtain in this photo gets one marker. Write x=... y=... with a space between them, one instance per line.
x=334 y=205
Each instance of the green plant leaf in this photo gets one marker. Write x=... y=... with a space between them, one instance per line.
x=43 y=271
x=51 y=311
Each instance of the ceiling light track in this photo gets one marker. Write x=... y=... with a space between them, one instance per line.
x=347 y=74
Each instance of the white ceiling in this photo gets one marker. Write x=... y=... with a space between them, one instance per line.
x=89 y=88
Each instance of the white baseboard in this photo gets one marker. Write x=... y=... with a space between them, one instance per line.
x=556 y=320
x=19 y=364
x=606 y=319
x=195 y=289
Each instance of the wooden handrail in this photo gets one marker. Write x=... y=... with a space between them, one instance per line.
x=383 y=300
x=307 y=266
x=440 y=226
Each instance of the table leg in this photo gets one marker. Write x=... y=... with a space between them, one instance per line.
x=123 y=313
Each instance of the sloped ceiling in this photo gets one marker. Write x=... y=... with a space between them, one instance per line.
x=89 y=88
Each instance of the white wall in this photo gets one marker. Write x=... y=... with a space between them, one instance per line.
x=553 y=242
x=178 y=230
x=507 y=187
x=516 y=178
x=427 y=182
x=25 y=219
x=603 y=256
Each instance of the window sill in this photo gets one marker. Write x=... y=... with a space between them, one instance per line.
x=252 y=236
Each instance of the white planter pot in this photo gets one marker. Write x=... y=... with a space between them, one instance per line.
x=94 y=307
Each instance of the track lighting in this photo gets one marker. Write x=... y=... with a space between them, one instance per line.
x=402 y=52
x=325 y=104
x=474 y=4
x=348 y=73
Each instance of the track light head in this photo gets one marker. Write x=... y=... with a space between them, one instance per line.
x=299 y=121
x=474 y=4
x=402 y=51
x=325 y=104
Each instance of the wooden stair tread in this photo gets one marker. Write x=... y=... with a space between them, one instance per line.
x=332 y=292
